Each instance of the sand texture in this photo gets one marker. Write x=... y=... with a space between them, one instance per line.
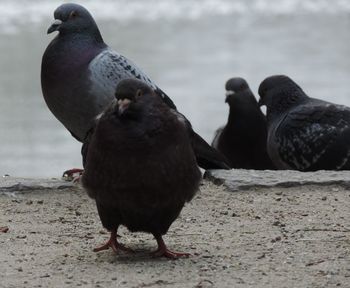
x=296 y=236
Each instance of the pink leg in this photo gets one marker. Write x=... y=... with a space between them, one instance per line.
x=4 y=229
x=113 y=243
x=163 y=251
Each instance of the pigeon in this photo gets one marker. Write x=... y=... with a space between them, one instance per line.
x=243 y=139
x=79 y=73
x=140 y=166
x=304 y=133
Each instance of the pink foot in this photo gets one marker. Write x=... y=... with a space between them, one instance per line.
x=4 y=229
x=73 y=174
x=113 y=243
x=169 y=254
x=163 y=251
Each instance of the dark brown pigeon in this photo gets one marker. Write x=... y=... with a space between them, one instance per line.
x=304 y=133
x=79 y=73
x=140 y=166
x=243 y=139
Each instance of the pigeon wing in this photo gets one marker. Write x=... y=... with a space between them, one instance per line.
x=109 y=67
x=314 y=136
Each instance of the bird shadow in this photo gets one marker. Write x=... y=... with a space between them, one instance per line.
x=138 y=255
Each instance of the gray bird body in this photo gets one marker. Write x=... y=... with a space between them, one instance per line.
x=91 y=70
x=304 y=133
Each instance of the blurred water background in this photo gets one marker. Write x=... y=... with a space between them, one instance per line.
x=188 y=47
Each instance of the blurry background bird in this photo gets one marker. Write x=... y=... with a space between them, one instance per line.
x=243 y=138
x=304 y=133
x=140 y=165
x=187 y=47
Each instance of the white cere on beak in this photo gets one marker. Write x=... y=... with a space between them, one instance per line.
x=56 y=22
x=263 y=109
x=229 y=93
x=123 y=104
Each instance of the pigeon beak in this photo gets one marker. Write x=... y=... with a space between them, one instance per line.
x=228 y=94
x=54 y=26
x=123 y=104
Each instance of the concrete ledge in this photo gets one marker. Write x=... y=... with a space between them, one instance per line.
x=240 y=179
x=234 y=180
x=13 y=184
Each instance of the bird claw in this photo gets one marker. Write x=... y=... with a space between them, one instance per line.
x=113 y=243
x=106 y=246
x=163 y=251
x=4 y=229
x=115 y=247
x=169 y=254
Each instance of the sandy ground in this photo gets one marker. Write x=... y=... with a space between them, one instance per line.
x=278 y=237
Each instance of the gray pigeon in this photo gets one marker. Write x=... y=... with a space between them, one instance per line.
x=304 y=133
x=140 y=166
x=243 y=139
x=79 y=74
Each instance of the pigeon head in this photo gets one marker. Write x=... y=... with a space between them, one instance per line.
x=236 y=84
x=130 y=94
x=233 y=86
x=73 y=19
x=239 y=96
x=280 y=93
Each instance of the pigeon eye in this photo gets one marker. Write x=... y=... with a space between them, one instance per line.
x=139 y=93
x=73 y=14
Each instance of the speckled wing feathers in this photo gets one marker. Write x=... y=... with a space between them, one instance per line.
x=109 y=67
x=310 y=134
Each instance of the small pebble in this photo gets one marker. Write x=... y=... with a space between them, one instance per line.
x=276 y=239
x=21 y=237
x=261 y=256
